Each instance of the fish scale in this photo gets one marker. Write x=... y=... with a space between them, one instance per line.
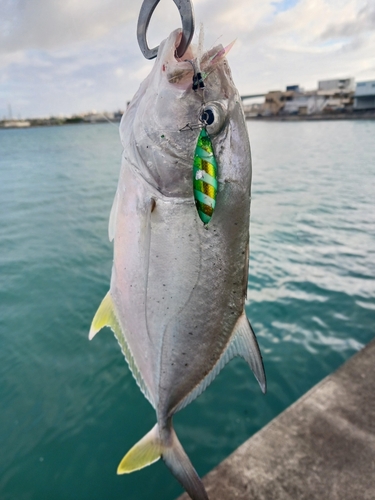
x=205 y=177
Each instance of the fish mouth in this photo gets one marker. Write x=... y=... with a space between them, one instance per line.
x=179 y=71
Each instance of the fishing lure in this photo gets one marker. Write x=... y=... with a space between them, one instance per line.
x=205 y=166
x=205 y=176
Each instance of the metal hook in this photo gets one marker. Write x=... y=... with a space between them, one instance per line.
x=187 y=18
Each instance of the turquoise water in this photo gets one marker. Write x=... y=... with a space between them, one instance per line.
x=69 y=407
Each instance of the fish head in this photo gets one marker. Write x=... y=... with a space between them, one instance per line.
x=160 y=129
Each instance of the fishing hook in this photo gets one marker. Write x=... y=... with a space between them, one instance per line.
x=185 y=8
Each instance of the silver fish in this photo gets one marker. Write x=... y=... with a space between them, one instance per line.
x=178 y=285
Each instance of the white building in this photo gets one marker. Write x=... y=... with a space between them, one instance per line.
x=304 y=104
x=339 y=84
x=364 y=97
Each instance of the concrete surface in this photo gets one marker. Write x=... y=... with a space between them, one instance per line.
x=322 y=447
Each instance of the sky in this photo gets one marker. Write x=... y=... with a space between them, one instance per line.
x=61 y=57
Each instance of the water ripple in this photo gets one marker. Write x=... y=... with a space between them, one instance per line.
x=70 y=408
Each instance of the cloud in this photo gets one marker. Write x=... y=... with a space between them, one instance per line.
x=75 y=55
x=46 y=24
x=360 y=23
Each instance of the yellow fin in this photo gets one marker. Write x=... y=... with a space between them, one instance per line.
x=147 y=451
x=105 y=316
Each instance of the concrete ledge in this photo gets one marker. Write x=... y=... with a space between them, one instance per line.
x=322 y=447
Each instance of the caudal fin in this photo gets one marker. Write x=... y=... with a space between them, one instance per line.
x=151 y=447
x=179 y=464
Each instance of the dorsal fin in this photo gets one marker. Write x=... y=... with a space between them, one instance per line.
x=242 y=343
x=106 y=316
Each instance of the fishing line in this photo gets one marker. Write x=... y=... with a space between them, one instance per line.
x=108 y=120
x=198 y=85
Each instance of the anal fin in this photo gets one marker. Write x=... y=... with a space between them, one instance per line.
x=147 y=451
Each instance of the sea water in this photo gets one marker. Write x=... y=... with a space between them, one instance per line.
x=70 y=408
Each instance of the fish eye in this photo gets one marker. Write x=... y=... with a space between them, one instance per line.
x=207 y=116
x=213 y=117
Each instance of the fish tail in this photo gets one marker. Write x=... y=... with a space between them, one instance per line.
x=179 y=464
x=166 y=445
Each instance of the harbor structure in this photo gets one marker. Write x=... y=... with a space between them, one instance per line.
x=321 y=447
x=331 y=97
x=337 y=85
x=337 y=95
x=15 y=124
x=364 y=97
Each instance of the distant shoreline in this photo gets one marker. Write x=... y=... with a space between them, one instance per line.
x=53 y=122
x=360 y=115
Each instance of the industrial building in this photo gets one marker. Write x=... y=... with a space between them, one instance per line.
x=343 y=84
x=331 y=97
x=364 y=97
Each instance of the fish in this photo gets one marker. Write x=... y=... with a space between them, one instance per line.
x=180 y=227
